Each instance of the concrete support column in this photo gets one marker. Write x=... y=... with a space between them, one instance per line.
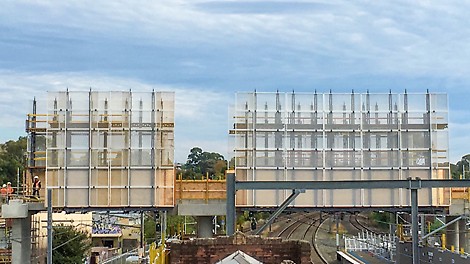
x=20 y=213
x=230 y=209
x=21 y=240
x=204 y=226
x=414 y=224
x=462 y=235
x=452 y=233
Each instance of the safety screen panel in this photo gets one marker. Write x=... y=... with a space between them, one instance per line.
x=108 y=149
x=337 y=137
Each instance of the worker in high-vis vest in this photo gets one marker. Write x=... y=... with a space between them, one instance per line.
x=36 y=186
x=10 y=190
x=3 y=193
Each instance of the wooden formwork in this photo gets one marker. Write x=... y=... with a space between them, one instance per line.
x=200 y=189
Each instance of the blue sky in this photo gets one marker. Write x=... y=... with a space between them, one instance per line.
x=207 y=50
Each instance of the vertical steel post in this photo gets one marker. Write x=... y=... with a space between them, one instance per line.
x=337 y=230
x=142 y=229
x=49 y=226
x=90 y=143
x=423 y=224
x=230 y=210
x=414 y=224
x=164 y=224
x=32 y=155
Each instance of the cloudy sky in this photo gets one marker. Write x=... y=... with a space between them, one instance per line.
x=207 y=50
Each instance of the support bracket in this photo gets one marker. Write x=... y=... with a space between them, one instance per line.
x=414 y=186
x=281 y=208
x=442 y=227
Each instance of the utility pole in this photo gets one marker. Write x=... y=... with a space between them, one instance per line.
x=49 y=226
x=142 y=229
x=414 y=224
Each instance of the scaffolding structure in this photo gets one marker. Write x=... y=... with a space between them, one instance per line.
x=339 y=137
x=104 y=149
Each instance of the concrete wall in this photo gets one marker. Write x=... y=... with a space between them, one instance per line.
x=266 y=250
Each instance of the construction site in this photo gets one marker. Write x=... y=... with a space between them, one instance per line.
x=309 y=168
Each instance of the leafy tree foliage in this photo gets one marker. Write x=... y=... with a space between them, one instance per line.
x=70 y=245
x=150 y=234
x=201 y=163
x=458 y=169
x=173 y=223
x=12 y=157
x=382 y=219
x=437 y=224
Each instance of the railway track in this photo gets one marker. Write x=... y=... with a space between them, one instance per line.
x=303 y=226
x=279 y=220
x=354 y=221
x=356 y=224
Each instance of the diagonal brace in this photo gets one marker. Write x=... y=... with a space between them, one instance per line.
x=442 y=227
x=281 y=208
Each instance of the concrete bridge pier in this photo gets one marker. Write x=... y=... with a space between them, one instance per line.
x=21 y=230
x=21 y=240
x=204 y=226
x=204 y=211
x=456 y=234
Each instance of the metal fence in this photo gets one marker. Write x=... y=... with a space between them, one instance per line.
x=379 y=245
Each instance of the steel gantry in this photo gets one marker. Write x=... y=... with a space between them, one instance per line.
x=411 y=184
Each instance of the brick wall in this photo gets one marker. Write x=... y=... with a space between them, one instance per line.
x=266 y=250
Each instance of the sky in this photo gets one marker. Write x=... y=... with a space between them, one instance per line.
x=206 y=51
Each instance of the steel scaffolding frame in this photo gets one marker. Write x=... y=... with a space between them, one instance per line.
x=111 y=149
x=326 y=137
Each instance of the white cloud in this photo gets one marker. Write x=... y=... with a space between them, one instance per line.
x=403 y=38
x=248 y=48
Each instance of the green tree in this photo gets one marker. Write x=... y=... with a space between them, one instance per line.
x=70 y=245
x=220 y=167
x=382 y=219
x=201 y=163
x=150 y=234
x=12 y=157
x=437 y=224
x=194 y=158
x=175 y=223
x=462 y=165
x=454 y=171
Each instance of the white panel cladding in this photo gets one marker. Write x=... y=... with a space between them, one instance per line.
x=356 y=136
x=109 y=149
